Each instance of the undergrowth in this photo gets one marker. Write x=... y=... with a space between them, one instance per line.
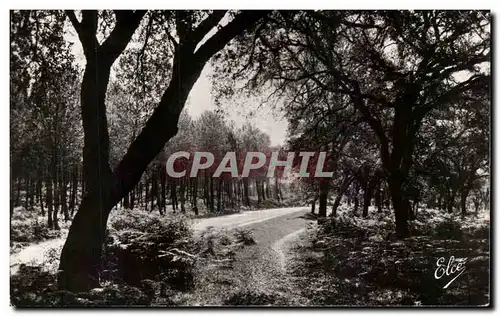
x=357 y=261
x=148 y=261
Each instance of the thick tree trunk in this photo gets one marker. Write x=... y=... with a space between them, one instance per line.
x=323 y=197
x=401 y=210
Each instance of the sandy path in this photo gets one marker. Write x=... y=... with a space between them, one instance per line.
x=243 y=219
x=37 y=253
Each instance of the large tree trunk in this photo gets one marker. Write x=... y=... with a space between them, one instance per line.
x=323 y=197
x=401 y=208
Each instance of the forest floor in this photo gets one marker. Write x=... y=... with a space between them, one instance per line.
x=38 y=253
x=249 y=268
x=355 y=261
x=273 y=257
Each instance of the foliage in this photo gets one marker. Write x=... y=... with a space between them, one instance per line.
x=344 y=267
x=28 y=226
x=244 y=236
x=147 y=258
x=142 y=246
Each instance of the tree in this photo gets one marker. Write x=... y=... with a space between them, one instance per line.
x=394 y=66
x=81 y=254
x=46 y=142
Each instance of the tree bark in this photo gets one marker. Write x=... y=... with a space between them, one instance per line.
x=323 y=197
x=245 y=191
x=401 y=210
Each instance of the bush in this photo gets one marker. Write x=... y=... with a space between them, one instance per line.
x=244 y=236
x=33 y=287
x=28 y=226
x=141 y=246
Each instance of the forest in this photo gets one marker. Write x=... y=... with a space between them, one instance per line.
x=399 y=100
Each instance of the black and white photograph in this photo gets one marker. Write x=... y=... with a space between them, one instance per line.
x=250 y=158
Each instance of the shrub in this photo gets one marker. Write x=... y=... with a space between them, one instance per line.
x=28 y=226
x=141 y=246
x=244 y=236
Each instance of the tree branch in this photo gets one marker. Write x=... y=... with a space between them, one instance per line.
x=234 y=28
x=74 y=21
x=127 y=23
x=207 y=24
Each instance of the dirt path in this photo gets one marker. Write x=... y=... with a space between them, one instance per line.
x=243 y=219
x=258 y=275
x=38 y=253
